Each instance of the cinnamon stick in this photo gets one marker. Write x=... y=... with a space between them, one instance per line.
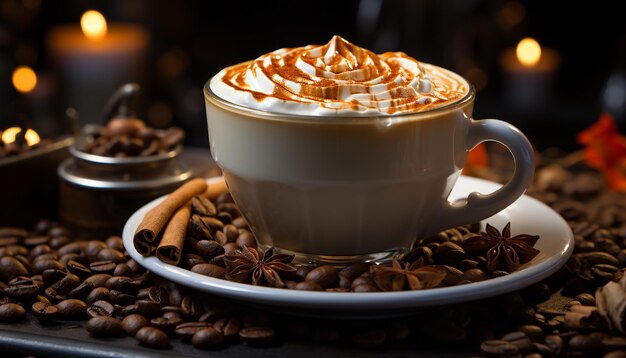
x=155 y=219
x=171 y=245
x=215 y=189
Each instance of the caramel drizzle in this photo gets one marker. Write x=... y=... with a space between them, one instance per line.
x=340 y=70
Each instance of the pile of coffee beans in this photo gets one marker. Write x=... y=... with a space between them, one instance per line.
x=48 y=277
x=130 y=137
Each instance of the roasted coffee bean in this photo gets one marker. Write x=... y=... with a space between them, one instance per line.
x=535 y=333
x=614 y=343
x=98 y=294
x=12 y=312
x=185 y=331
x=615 y=354
x=231 y=232
x=362 y=280
x=474 y=275
x=44 y=263
x=58 y=231
x=22 y=292
x=153 y=338
x=199 y=229
x=51 y=276
x=66 y=284
x=78 y=269
x=208 y=249
x=11 y=268
x=214 y=310
x=98 y=280
x=207 y=338
x=100 y=308
x=355 y=270
x=240 y=222
x=115 y=243
x=59 y=241
x=170 y=314
x=158 y=294
x=202 y=206
x=585 y=299
x=44 y=312
x=302 y=271
x=247 y=239
x=102 y=267
x=369 y=339
x=499 y=347
x=257 y=335
x=123 y=284
x=122 y=270
x=111 y=255
x=54 y=296
x=121 y=298
x=35 y=241
x=210 y=270
x=148 y=309
x=40 y=250
x=308 y=286
x=584 y=343
x=229 y=327
x=133 y=323
x=72 y=309
x=104 y=326
x=221 y=238
x=324 y=276
x=224 y=217
x=165 y=324
x=191 y=307
x=92 y=248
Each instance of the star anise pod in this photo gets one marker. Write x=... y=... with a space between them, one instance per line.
x=502 y=251
x=246 y=265
x=411 y=276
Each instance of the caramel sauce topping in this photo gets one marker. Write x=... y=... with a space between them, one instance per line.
x=342 y=76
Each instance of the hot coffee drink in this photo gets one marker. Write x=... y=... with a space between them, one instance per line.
x=340 y=154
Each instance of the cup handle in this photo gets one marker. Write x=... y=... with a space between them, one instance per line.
x=479 y=206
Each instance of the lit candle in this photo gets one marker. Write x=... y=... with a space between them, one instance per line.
x=529 y=74
x=95 y=59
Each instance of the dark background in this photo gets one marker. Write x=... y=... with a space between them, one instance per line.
x=192 y=40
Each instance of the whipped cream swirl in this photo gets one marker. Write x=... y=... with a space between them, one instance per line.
x=337 y=78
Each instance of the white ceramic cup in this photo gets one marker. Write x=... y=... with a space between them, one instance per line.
x=342 y=189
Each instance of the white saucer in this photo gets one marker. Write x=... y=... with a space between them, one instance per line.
x=526 y=215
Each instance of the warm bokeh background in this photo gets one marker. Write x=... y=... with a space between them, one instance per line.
x=191 y=40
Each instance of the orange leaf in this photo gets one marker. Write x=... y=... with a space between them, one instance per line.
x=478 y=157
x=605 y=150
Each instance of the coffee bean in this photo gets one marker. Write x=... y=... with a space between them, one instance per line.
x=240 y=222
x=78 y=269
x=72 y=309
x=104 y=326
x=59 y=241
x=615 y=354
x=257 y=335
x=167 y=325
x=51 y=276
x=247 y=239
x=210 y=270
x=208 y=249
x=22 y=292
x=115 y=243
x=66 y=284
x=54 y=296
x=133 y=323
x=584 y=343
x=474 y=275
x=369 y=339
x=185 y=331
x=98 y=294
x=229 y=327
x=555 y=343
x=324 y=276
x=614 y=343
x=153 y=338
x=100 y=308
x=535 y=333
x=11 y=312
x=111 y=255
x=123 y=284
x=92 y=249
x=191 y=307
x=585 y=299
x=122 y=270
x=120 y=298
x=102 y=267
x=11 y=268
x=207 y=338
x=499 y=347
x=308 y=286
x=44 y=312
x=202 y=206
x=148 y=309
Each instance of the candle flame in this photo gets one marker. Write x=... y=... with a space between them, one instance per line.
x=9 y=135
x=94 y=25
x=528 y=52
x=24 y=79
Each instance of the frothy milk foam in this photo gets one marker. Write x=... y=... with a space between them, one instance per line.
x=307 y=184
